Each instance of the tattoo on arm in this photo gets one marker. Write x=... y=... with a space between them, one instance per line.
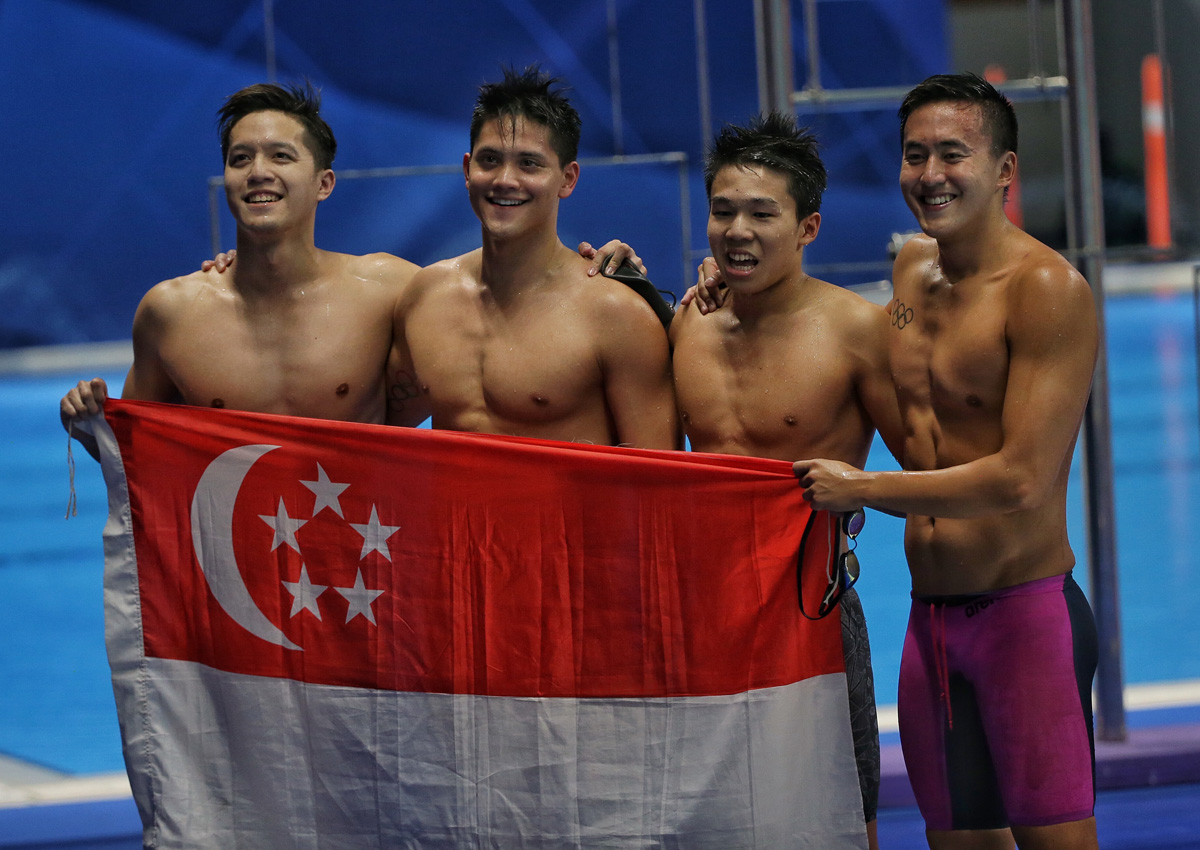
x=901 y=315
x=404 y=387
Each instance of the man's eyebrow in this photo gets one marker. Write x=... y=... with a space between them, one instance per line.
x=273 y=145
x=522 y=154
x=943 y=143
x=762 y=202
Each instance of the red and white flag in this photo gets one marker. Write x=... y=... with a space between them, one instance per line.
x=329 y=635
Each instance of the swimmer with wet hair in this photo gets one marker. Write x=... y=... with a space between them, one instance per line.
x=519 y=336
x=789 y=366
x=992 y=342
x=290 y=328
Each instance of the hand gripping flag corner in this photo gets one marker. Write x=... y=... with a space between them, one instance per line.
x=336 y=635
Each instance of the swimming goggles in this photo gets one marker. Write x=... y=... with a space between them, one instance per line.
x=843 y=571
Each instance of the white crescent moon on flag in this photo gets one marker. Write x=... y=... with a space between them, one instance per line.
x=212 y=511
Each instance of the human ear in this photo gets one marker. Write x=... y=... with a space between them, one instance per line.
x=570 y=178
x=1008 y=169
x=327 y=182
x=809 y=226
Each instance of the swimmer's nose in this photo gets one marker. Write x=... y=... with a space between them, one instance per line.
x=506 y=174
x=739 y=227
x=933 y=173
x=260 y=167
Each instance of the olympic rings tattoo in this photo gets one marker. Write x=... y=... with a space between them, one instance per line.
x=901 y=315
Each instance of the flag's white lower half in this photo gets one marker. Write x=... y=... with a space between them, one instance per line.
x=246 y=761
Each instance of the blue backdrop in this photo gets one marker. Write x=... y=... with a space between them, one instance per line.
x=108 y=114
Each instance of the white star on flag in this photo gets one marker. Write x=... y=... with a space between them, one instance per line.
x=326 y=491
x=305 y=593
x=375 y=536
x=285 y=527
x=360 y=599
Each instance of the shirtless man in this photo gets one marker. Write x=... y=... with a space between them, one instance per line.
x=789 y=366
x=291 y=328
x=516 y=337
x=993 y=340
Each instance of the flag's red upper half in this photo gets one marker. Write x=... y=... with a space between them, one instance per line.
x=426 y=561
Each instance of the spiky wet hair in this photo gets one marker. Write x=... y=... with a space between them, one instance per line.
x=772 y=140
x=536 y=96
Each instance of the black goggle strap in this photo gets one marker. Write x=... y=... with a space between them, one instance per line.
x=830 y=564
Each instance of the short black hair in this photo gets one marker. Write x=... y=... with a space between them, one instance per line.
x=301 y=102
x=536 y=96
x=999 y=117
x=773 y=140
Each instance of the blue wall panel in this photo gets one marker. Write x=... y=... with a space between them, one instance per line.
x=109 y=109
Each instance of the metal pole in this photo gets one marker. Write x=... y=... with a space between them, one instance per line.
x=773 y=43
x=1099 y=502
x=614 y=79
x=1036 y=67
x=1196 y=321
x=812 y=43
x=704 y=88
x=1068 y=141
x=269 y=37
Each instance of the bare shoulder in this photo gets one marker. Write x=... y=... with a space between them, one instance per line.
x=388 y=271
x=686 y=322
x=1045 y=280
x=859 y=326
x=1050 y=307
x=168 y=297
x=609 y=300
x=468 y=265
x=465 y=269
x=915 y=259
x=852 y=311
x=441 y=278
x=381 y=265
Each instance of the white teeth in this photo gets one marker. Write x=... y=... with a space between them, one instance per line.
x=263 y=197
x=507 y=202
x=742 y=259
x=938 y=199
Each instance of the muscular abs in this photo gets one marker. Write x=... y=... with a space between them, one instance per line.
x=949 y=358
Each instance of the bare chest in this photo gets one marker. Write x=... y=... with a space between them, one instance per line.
x=322 y=359
x=948 y=352
x=525 y=367
x=768 y=398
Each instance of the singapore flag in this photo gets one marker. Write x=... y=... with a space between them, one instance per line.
x=330 y=635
